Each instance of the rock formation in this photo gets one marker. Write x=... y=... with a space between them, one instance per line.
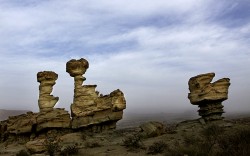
x=47 y=80
x=90 y=108
x=208 y=96
x=56 y=118
x=36 y=122
x=21 y=124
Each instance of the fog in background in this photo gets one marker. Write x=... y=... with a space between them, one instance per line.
x=148 y=49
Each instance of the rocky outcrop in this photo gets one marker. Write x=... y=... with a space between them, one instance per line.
x=36 y=146
x=21 y=124
x=36 y=122
x=90 y=108
x=153 y=129
x=47 y=80
x=56 y=118
x=208 y=96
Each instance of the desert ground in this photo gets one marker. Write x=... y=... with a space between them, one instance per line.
x=147 y=134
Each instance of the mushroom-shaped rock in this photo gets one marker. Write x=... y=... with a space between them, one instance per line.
x=77 y=67
x=47 y=80
x=207 y=95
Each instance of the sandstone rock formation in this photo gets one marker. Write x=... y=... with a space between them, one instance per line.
x=90 y=108
x=21 y=124
x=36 y=122
x=56 y=118
x=208 y=96
x=47 y=80
x=36 y=146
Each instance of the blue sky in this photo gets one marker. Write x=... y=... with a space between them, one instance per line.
x=149 y=49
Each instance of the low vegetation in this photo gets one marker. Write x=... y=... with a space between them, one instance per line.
x=133 y=142
x=69 y=150
x=157 y=147
x=214 y=141
x=52 y=146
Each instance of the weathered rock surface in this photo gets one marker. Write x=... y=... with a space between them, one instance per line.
x=35 y=122
x=153 y=129
x=208 y=96
x=47 y=80
x=56 y=118
x=71 y=138
x=21 y=124
x=90 y=108
x=36 y=146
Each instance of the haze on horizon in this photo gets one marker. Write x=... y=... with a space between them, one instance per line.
x=147 y=49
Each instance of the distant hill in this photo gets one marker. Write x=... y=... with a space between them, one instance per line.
x=136 y=119
x=4 y=114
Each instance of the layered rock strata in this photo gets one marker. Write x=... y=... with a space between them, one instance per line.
x=208 y=96
x=88 y=107
x=36 y=122
x=47 y=80
x=56 y=118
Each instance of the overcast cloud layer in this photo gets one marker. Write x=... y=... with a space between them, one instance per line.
x=147 y=48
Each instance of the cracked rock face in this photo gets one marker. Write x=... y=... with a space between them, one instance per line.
x=88 y=107
x=47 y=80
x=208 y=96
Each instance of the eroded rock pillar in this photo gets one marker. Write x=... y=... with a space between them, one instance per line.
x=47 y=80
x=208 y=96
x=89 y=109
x=76 y=69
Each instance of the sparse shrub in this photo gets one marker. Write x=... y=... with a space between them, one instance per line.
x=133 y=142
x=51 y=145
x=92 y=144
x=190 y=140
x=157 y=147
x=69 y=150
x=171 y=128
x=235 y=144
x=212 y=132
x=23 y=153
x=199 y=145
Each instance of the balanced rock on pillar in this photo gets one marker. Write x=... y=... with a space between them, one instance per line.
x=47 y=80
x=208 y=96
x=90 y=108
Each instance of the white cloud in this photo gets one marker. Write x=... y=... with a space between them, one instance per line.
x=151 y=63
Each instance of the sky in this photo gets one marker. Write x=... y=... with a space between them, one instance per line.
x=147 y=48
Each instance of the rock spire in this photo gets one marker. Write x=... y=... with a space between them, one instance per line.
x=88 y=107
x=47 y=80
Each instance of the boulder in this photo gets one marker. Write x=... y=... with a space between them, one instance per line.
x=36 y=146
x=153 y=129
